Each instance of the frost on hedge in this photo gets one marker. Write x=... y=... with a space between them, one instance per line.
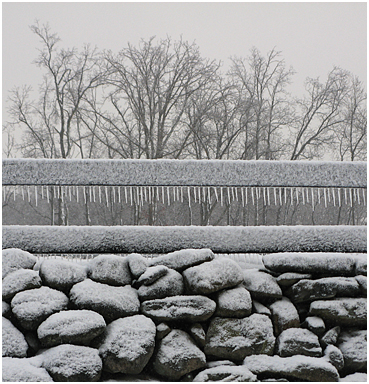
x=220 y=239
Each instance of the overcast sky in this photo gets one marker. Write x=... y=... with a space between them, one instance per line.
x=313 y=37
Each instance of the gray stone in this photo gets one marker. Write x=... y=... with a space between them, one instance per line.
x=341 y=311
x=234 y=302
x=7 y=312
x=334 y=356
x=33 y=306
x=353 y=345
x=289 y=278
x=70 y=327
x=314 y=324
x=152 y=274
x=18 y=281
x=261 y=285
x=110 y=269
x=234 y=339
x=33 y=342
x=362 y=280
x=128 y=344
x=260 y=308
x=217 y=363
x=170 y=284
x=137 y=264
x=304 y=368
x=212 y=276
x=68 y=362
x=331 y=336
x=188 y=308
x=327 y=264
x=284 y=315
x=61 y=274
x=22 y=370
x=325 y=288
x=178 y=355
x=14 y=258
x=361 y=264
x=162 y=330
x=355 y=377
x=183 y=259
x=198 y=334
x=109 y=301
x=226 y=373
x=298 y=341
x=13 y=341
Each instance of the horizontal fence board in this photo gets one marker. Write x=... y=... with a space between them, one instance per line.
x=221 y=239
x=235 y=173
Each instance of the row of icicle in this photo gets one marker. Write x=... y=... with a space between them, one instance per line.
x=140 y=195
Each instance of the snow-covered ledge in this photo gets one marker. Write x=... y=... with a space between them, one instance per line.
x=221 y=239
x=236 y=173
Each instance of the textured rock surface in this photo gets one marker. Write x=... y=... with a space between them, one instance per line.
x=328 y=264
x=70 y=327
x=178 y=355
x=18 y=281
x=198 y=334
x=61 y=274
x=6 y=310
x=355 y=377
x=110 y=302
x=314 y=324
x=261 y=308
x=189 y=308
x=363 y=283
x=170 y=284
x=234 y=302
x=152 y=274
x=183 y=259
x=284 y=315
x=290 y=278
x=137 y=264
x=261 y=285
x=33 y=306
x=21 y=370
x=236 y=338
x=331 y=336
x=361 y=264
x=353 y=345
x=309 y=290
x=162 y=330
x=212 y=276
x=13 y=259
x=303 y=368
x=298 y=341
x=341 y=311
x=334 y=356
x=128 y=344
x=72 y=363
x=13 y=341
x=226 y=373
x=110 y=269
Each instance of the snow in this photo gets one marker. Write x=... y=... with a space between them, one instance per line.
x=21 y=370
x=183 y=172
x=220 y=239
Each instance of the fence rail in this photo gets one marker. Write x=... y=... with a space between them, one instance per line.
x=229 y=173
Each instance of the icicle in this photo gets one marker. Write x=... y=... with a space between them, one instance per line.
x=162 y=194
x=36 y=195
x=114 y=197
x=325 y=197
x=84 y=194
x=178 y=197
x=100 y=194
x=334 y=197
x=58 y=192
x=297 y=196
x=76 y=193
x=47 y=194
x=291 y=196
x=318 y=195
x=106 y=196
x=22 y=192
x=151 y=194
x=350 y=196
x=168 y=195
x=233 y=195
x=199 y=196
x=275 y=195
x=268 y=195
x=119 y=197
x=141 y=196
x=145 y=192
x=246 y=196
x=303 y=196
x=307 y=195
x=131 y=195
x=358 y=196
x=252 y=195
x=42 y=192
x=285 y=195
x=14 y=192
x=229 y=196
x=329 y=195
x=209 y=196
x=204 y=194
x=221 y=196
x=242 y=197
x=189 y=196
x=280 y=195
x=181 y=194
x=28 y=194
x=312 y=198
x=264 y=196
x=363 y=196
x=70 y=193
x=345 y=189
x=216 y=194
x=339 y=196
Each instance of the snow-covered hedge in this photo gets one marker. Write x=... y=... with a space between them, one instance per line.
x=184 y=316
x=221 y=239
x=235 y=173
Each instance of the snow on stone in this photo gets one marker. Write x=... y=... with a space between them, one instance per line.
x=21 y=370
x=13 y=342
x=14 y=258
x=226 y=373
x=19 y=280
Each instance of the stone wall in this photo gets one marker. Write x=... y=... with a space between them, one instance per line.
x=184 y=316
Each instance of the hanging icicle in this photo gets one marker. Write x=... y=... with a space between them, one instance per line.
x=334 y=197
x=280 y=195
x=199 y=194
x=291 y=196
x=221 y=196
x=181 y=194
x=358 y=196
x=303 y=196
x=252 y=195
x=350 y=192
x=209 y=197
x=233 y=196
x=47 y=194
x=106 y=196
x=28 y=194
x=285 y=195
x=119 y=195
x=297 y=196
x=229 y=196
x=339 y=196
x=319 y=196
x=168 y=195
x=145 y=194
x=246 y=189
x=189 y=196
x=242 y=197
x=325 y=197
x=216 y=194
x=204 y=194
x=268 y=195
x=36 y=195
x=312 y=198
x=275 y=195
x=22 y=192
x=363 y=196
